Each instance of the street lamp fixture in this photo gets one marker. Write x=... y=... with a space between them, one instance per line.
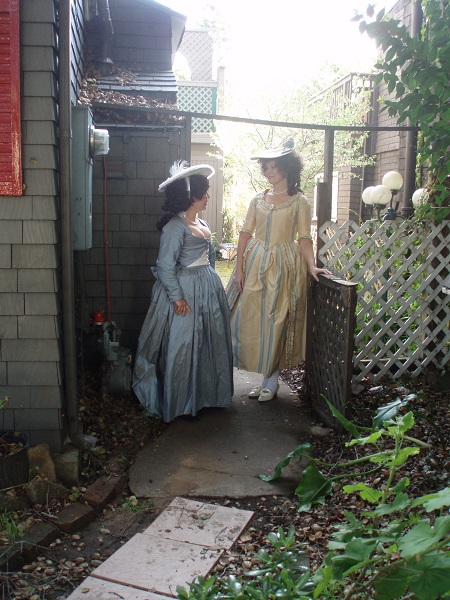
x=419 y=197
x=379 y=196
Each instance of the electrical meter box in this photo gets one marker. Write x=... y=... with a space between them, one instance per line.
x=87 y=142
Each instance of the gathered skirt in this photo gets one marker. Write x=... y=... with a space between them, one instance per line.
x=184 y=364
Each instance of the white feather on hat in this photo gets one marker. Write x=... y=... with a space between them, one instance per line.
x=181 y=170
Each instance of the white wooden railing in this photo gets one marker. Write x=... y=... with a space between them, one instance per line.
x=403 y=315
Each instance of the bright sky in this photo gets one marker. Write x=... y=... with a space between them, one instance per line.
x=277 y=41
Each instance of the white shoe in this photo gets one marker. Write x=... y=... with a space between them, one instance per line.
x=267 y=394
x=255 y=391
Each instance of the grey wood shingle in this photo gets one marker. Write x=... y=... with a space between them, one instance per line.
x=35 y=256
x=33 y=373
x=27 y=350
x=39 y=327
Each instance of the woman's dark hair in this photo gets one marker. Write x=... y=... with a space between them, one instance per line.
x=178 y=199
x=291 y=165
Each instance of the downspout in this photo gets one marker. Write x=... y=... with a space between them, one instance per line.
x=67 y=267
x=411 y=136
x=106 y=33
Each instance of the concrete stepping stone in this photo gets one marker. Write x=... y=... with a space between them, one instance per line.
x=185 y=541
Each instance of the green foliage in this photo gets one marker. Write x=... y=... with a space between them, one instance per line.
x=415 y=71
x=9 y=526
x=398 y=549
x=282 y=573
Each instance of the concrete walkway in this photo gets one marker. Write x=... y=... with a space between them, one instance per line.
x=220 y=454
x=217 y=456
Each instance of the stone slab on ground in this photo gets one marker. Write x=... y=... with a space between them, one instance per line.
x=207 y=525
x=155 y=563
x=97 y=589
x=221 y=454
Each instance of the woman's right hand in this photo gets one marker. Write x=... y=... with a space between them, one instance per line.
x=239 y=279
x=181 y=307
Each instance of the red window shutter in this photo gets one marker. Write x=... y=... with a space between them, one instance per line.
x=10 y=138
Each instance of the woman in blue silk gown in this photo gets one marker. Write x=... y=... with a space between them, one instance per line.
x=184 y=359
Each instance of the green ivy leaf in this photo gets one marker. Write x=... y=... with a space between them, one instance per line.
x=313 y=488
x=430 y=576
x=355 y=555
x=389 y=411
x=400 y=503
x=302 y=450
x=419 y=539
x=366 y=492
x=434 y=501
x=393 y=585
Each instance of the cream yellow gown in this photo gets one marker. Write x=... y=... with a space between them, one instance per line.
x=268 y=318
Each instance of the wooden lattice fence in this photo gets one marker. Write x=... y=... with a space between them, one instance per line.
x=402 y=315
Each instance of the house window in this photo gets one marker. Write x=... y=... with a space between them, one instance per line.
x=10 y=133
x=334 y=195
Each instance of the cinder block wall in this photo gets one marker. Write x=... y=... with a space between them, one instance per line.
x=30 y=317
x=138 y=161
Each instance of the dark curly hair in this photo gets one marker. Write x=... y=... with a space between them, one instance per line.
x=291 y=165
x=178 y=199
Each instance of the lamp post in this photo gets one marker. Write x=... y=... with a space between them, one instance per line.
x=394 y=182
x=381 y=195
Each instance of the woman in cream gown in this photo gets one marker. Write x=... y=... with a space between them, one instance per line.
x=273 y=258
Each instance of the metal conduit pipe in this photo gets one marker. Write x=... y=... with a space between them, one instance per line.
x=106 y=34
x=67 y=267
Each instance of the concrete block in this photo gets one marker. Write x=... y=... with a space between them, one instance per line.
x=5 y=256
x=132 y=256
x=38 y=83
x=11 y=208
x=140 y=187
x=39 y=232
x=41 y=304
x=11 y=232
x=74 y=517
x=8 y=328
x=46 y=396
x=8 y=280
x=38 y=34
x=39 y=327
x=12 y=304
x=6 y=414
x=125 y=222
x=45 y=207
x=33 y=373
x=55 y=439
x=41 y=182
x=134 y=147
x=35 y=58
x=29 y=350
x=19 y=396
x=37 y=280
x=67 y=465
x=34 y=419
x=103 y=490
x=126 y=239
x=38 y=11
x=36 y=256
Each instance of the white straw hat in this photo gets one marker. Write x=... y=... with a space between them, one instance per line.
x=287 y=147
x=181 y=170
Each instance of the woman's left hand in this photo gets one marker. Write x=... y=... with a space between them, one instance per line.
x=181 y=307
x=315 y=272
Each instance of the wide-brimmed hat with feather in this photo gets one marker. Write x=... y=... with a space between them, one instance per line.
x=287 y=147
x=181 y=170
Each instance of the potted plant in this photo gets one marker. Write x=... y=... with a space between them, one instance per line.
x=13 y=456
